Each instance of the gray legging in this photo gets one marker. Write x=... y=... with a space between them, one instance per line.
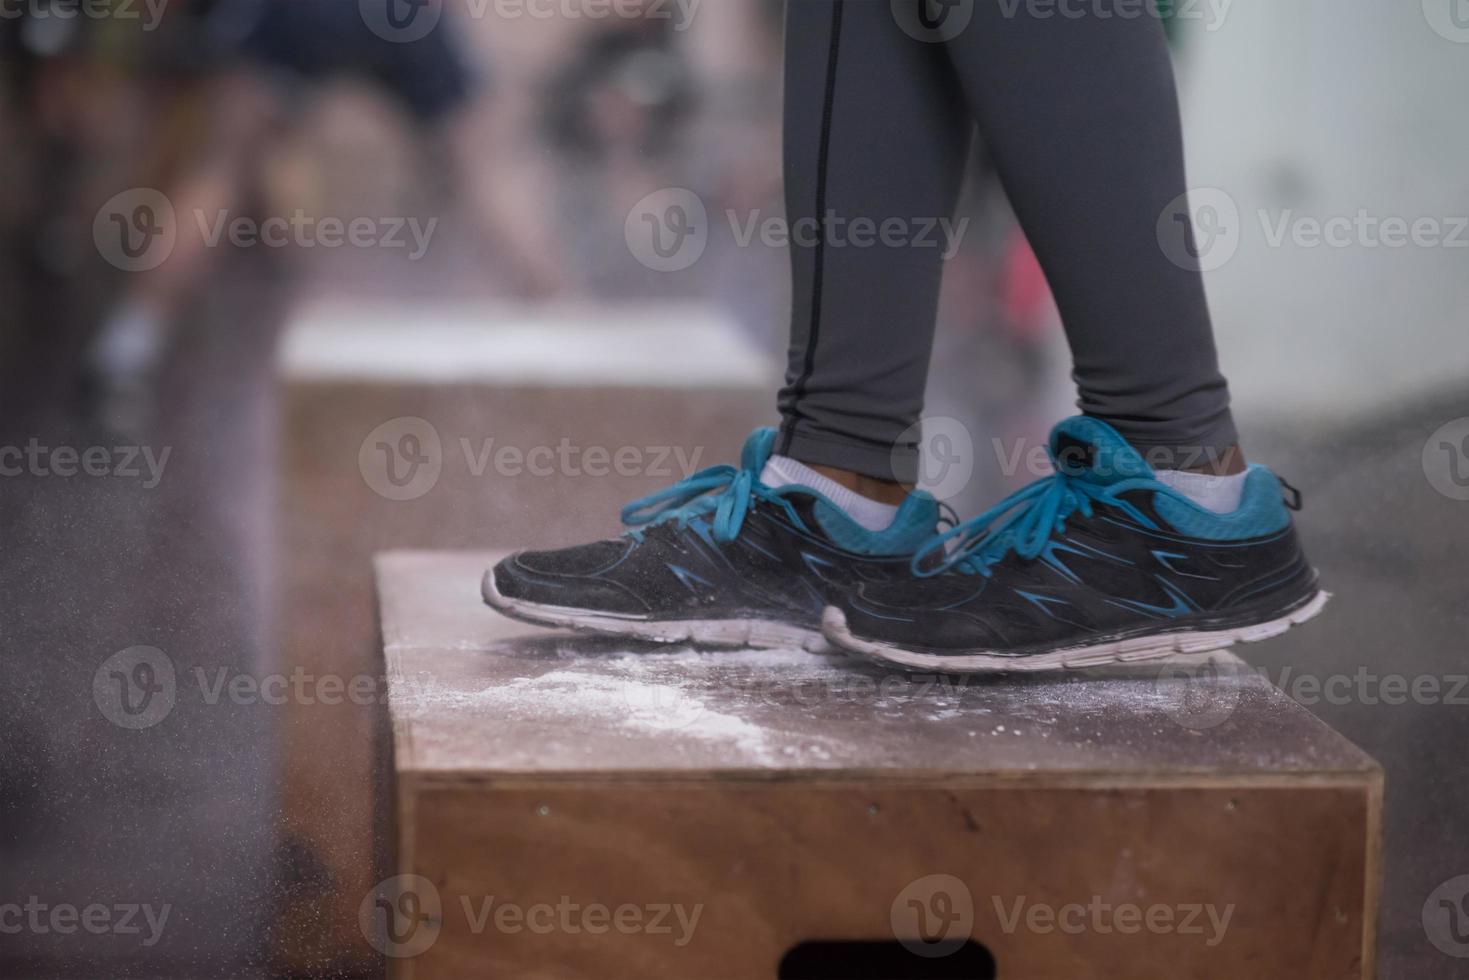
x=1080 y=115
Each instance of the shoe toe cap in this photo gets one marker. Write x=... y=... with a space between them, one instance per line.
x=583 y=559
x=546 y=578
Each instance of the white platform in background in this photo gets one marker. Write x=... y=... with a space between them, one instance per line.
x=653 y=345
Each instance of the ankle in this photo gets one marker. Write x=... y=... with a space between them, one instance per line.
x=843 y=489
x=882 y=491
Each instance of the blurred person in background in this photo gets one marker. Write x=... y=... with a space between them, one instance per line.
x=614 y=112
x=1151 y=535
x=637 y=104
x=254 y=65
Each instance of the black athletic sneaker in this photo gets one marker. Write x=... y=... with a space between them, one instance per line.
x=1100 y=563
x=718 y=559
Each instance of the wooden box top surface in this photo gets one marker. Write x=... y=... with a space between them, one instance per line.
x=473 y=694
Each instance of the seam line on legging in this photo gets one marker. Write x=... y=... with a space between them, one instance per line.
x=818 y=273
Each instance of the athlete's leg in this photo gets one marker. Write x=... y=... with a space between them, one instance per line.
x=1108 y=559
x=876 y=131
x=876 y=134
x=1080 y=113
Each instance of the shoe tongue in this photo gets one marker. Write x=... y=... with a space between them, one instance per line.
x=758 y=449
x=1089 y=449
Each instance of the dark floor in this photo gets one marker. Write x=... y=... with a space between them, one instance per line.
x=1393 y=551
x=181 y=813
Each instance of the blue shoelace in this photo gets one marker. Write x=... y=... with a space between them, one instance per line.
x=727 y=491
x=1039 y=510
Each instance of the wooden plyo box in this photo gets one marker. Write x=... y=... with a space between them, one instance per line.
x=569 y=807
x=453 y=427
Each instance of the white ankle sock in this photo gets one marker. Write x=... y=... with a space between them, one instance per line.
x=1221 y=494
x=781 y=471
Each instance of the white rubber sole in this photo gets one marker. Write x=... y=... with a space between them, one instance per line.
x=1155 y=647
x=760 y=634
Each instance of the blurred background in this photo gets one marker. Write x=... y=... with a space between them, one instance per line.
x=208 y=206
